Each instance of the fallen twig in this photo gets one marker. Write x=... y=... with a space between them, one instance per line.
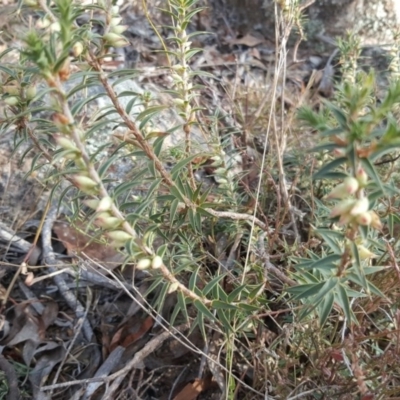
x=50 y=260
x=9 y=236
x=137 y=360
x=77 y=330
x=109 y=364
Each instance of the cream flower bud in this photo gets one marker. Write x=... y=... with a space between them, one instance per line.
x=115 y=21
x=364 y=218
x=375 y=220
x=31 y=3
x=144 y=263
x=11 y=100
x=84 y=183
x=30 y=92
x=92 y=203
x=361 y=176
x=348 y=187
x=43 y=23
x=115 y=40
x=342 y=208
x=107 y=221
x=345 y=219
x=173 y=287
x=64 y=142
x=55 y=27
x=360 y=206
x=77 y=49
x=365 y=253
x=105 y=204
x=179 y=102
x=119 y=29
x=120 y=237
x=157 y=262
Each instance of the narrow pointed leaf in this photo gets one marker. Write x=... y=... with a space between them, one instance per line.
x=329 y=167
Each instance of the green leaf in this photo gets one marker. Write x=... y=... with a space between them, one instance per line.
x=236 y=293
x=335 y=175
x=329 y=285
x=374 y=290
x=6 y=51
x=131 y=73
x=175 y=313
x=112 y=159
x=332 y=238
x=151 y=165
x=181 y=164
x=182 y=304
x=158 y=145
x=371 y=171
x=124 y=79
x=193 y=279
x=224 y=320
x=321 y=174
x=248 y=307
x=199 y=321
x=75 y=109
x=342 y=299
x=190 y=53
x=82 y=86
x=304 y=291
x=159 y=303
x=175 y=192
x=125 y=187
x=96 y=127
x=340 y=116
x=184 y=187
x=9 y=71
x=332 y=132
x=202 y=308
x=325 y=308
x=193 y=220
x=358 y=267
x=153 y=187
x=217 y=304
x=131 y=103
x=219 y=293
x=322 y=147
x=353 y=158
x=150 y=112
x=325 y=262
x=210 y=285
x=313 y=119
x=173 y=209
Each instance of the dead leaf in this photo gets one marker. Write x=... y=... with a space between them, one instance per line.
x=116 y=339
x=79 y=243
x=367 y=397
x=24 y=326
x=47 y=357
x=192 y=390
x=255 y=53
x=248 y=40
x=125 y=337
x=49 y=314
x=145 y=327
